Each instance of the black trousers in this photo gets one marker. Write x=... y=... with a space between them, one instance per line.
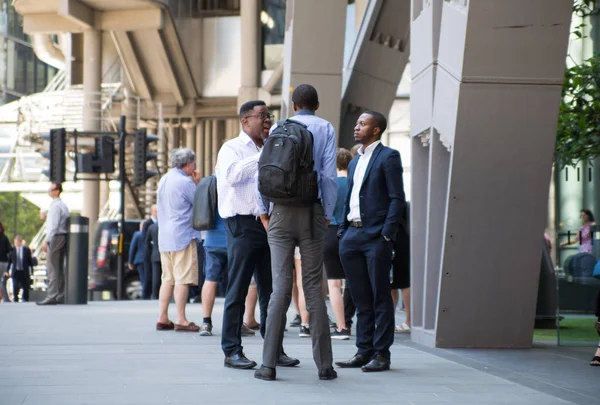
x=367 y=262
x=247 y=253
x=349 y=307
x=20 y=281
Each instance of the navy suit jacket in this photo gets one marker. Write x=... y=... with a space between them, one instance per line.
x=28 y=261
x=382 y=199
x=136 y=249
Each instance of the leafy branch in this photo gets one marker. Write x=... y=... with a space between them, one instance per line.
x=578 y=133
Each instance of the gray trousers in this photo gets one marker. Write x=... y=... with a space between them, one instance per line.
x=290 y=227
x=55 y=259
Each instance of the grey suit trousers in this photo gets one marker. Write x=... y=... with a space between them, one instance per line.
x=55 y=263
x=289 y=227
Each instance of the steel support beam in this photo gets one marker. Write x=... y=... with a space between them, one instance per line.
x=377 y=63
x=308 y=58
x=76 y=19
x=130 y=62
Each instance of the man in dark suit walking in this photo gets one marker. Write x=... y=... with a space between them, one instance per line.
x=152 y=261
x=372 y=215
x=21 y=267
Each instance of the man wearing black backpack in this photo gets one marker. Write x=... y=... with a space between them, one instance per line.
x=297 y=171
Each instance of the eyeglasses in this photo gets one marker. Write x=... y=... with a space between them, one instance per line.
x=263 y=117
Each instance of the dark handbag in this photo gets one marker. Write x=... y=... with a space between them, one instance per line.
x=205 y=204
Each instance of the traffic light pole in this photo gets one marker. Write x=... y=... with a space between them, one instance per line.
x=121 y=258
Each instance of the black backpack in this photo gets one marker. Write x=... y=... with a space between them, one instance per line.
x=205 y=204
x=286 y=172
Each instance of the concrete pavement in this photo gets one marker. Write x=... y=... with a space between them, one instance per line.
x=109 y=353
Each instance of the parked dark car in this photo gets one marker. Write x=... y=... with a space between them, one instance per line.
x=103 y=269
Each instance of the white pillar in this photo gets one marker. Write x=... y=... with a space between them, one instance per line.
x=249 y=11
x=200 y=148
x=315 y=28
x=92 y=80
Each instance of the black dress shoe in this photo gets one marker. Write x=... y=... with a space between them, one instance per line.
x=50 y=301
x=378 y=363
x=286 y=361
x=265 y=373
x=328 y=374
x=355 y=362
x=239 y=361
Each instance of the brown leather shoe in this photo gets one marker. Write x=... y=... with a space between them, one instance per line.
x=165 y=326
x=191 y=327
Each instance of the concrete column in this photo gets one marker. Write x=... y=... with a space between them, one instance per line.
x=104 y=194
x=129 y=110
x=491 y=113
x=309 y=22
x=163 y=147
x=216 y=136
x=430 y=167
x=92 y=80
x=250 y=28
x=172 y=141
x=208 y=168
x=200 y=147
x=190 y=135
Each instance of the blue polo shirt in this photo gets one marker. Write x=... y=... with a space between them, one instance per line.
x=216 y=237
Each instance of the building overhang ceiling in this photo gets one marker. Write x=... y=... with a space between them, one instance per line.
x=143 y=31
x=50 y=17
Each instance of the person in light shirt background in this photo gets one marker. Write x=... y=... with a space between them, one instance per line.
x=177 y=239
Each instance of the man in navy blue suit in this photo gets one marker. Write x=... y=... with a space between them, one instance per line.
x=21 y=264
x=372 y=215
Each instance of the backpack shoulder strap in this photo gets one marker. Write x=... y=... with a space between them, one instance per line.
x=292 y=121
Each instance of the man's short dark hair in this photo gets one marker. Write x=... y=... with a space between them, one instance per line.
x=58 y=186
x=343 y=158
x=378 y=119
x=249 y=106
x=305 y=97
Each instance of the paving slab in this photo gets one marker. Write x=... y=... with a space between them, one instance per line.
x=109 y=353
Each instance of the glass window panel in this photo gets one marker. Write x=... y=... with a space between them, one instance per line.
x=20 y=68
x=29 y=71
x=41 y=77
x=272 y=19
x=4 y=16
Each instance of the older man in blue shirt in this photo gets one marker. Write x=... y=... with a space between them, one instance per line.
x=291 y=226
x=177 y=239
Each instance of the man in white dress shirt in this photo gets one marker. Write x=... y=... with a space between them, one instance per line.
x=56 y=246
x=247 y=247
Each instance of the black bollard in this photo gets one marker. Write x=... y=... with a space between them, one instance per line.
x=77 y=260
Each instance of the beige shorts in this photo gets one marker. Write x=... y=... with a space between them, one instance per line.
x=180 y=267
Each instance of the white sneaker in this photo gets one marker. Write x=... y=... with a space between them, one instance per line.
x=404 y=328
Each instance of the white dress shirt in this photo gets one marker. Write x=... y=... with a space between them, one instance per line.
x=357 y=180
x=236 y=171
x=56 y=221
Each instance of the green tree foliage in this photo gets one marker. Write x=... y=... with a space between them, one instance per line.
x=578 y=134
x=22 y=215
